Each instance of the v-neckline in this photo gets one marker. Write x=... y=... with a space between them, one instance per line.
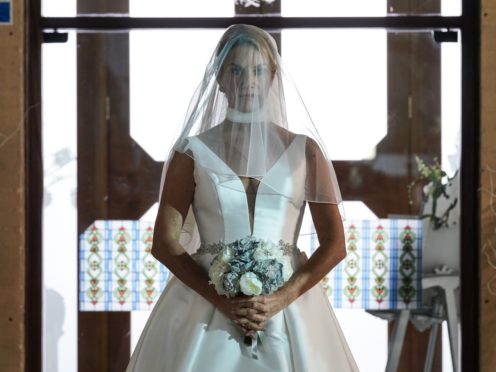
x=240 y=181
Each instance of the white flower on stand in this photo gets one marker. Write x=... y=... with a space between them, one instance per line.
x=427 y=189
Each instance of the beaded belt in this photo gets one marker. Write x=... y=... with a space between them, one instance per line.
x=214 y=248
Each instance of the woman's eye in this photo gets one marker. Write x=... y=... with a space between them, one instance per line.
x=260 y=70
x=236 y=70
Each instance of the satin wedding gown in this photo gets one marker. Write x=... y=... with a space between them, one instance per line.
x=186 y=333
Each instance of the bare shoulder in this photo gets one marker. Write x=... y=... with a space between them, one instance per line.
x=285 y=134
x=179 y=185
x=312 y=147
x=181 y=162
x=179 y=179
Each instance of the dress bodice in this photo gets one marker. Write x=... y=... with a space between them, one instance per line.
x=220 y=203
x=187 y=333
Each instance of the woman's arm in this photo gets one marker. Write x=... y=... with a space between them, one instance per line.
x=176 y=199
x=331 y=251
x=174 y=205
x=327 y=220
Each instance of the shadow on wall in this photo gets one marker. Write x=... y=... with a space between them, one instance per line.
x=55 y=314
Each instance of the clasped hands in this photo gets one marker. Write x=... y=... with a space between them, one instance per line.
x=251 y=314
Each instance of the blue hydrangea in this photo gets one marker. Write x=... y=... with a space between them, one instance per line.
x=270 y=272
x=231 y=282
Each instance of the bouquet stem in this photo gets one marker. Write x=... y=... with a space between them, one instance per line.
x=248 y=340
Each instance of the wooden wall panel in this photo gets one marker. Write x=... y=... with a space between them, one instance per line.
x=12 y=238
x=488 y=173
x=414 y=128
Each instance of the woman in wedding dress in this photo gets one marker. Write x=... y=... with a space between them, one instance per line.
x=246 y=163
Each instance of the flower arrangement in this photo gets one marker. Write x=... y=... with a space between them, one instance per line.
x=250 y=266
x=435 y=189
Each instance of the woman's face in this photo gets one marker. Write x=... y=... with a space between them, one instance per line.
x=245 y=78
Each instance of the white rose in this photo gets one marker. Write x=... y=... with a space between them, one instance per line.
x=216 y=274
x=216 y=269
x=250 y=284
x=276 y=252
x=260 y=254
x=227 y=254
x=287 y=269
x=268 y=251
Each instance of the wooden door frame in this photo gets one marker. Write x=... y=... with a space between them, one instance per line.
x=468 y=23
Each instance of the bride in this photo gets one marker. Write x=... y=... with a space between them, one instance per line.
x=241 y=295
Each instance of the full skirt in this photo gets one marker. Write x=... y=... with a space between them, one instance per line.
x=186 y=333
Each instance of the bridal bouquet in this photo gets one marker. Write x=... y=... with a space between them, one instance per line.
x=250 y=266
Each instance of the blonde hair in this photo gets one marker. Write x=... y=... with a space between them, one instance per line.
x=241 y=34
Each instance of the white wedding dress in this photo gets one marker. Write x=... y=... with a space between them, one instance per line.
x=186 y=333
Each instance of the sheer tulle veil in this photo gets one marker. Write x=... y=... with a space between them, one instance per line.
x=247 y=110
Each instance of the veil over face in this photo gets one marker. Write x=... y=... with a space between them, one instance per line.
x=248 y=112
x=245 y=78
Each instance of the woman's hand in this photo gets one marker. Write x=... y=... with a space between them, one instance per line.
x=254 y=312
x=228 y=307
x=251 y=313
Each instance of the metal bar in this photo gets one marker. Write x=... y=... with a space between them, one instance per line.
x=33 y=160
x=470 y=204
x=267 y=22
x=431 y=348
x=395 y=344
